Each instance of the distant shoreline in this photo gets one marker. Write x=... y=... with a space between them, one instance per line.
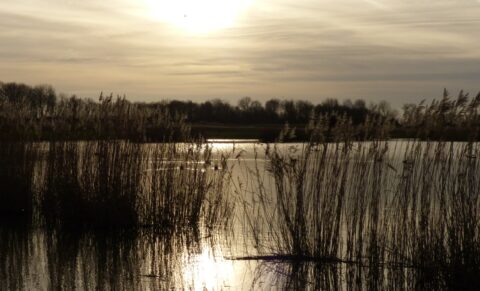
x=271 y=132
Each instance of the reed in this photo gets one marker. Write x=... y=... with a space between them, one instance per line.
x=84 y=164
x=96 y=183
x=126 y=184
x=349 y=195
x=381 y=204
x=84 y=119
x=17 y=191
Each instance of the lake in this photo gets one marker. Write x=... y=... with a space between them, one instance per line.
x=341 y=218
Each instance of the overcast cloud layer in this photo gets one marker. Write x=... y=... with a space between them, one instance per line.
x=400 y=51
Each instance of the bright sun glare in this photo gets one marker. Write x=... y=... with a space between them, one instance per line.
x=198 y=16
x=207 y=272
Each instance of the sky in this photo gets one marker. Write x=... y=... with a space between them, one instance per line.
x=149 y=50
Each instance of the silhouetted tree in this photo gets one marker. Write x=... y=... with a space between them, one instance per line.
x=244 y=103
x=360 y=104
x=39 y=96
x=304 y=111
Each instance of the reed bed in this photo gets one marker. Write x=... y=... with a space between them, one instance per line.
x=109 y=182
x=371 y=202
x=126 y=184
x=186 y=182
x=368 y=206
x=77 y=119
x=17 y=172
x=92 y=183
x=347 y=196
x=79 y=163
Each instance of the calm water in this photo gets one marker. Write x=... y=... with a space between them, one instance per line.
x=41 y=260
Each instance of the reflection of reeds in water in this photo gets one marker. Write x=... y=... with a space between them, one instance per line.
x=378 y=204
x=297 y=275
x=107 y=260
x=14 y=254
x=91 y=261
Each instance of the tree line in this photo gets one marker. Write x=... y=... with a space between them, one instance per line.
x=273 y=111
x=39 y=111
x=246 y=111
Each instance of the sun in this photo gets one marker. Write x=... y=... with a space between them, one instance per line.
x=198 y=16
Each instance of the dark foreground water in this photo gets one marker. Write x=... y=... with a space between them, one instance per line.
x=40 y=260
x=231 y=259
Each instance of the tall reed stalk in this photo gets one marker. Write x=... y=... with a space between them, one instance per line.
x=376 y=203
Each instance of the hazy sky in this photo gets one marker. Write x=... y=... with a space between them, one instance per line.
x=400 y=51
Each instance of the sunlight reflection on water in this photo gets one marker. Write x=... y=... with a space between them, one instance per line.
x=206 y=271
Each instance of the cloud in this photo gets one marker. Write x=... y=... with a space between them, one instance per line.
x=299 y=48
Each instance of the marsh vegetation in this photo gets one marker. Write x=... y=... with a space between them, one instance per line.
x=117 y=195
